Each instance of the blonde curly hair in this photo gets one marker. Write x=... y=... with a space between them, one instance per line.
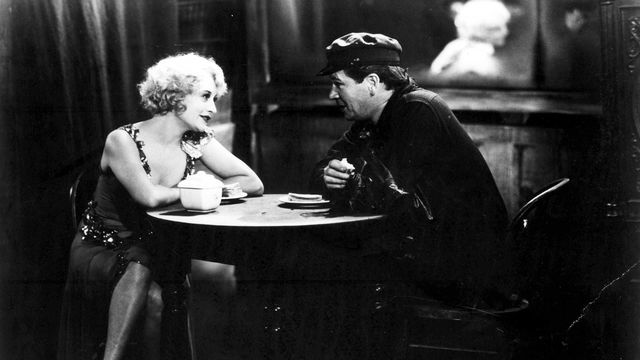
x=169 y=80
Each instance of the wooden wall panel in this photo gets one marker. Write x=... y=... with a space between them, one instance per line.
x=521 y=159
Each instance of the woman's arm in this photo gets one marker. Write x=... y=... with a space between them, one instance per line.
x=121 y=156
x=230 y=169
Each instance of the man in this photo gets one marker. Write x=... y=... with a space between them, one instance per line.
x=450 y=238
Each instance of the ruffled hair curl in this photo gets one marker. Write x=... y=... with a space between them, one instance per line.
x=168 y=81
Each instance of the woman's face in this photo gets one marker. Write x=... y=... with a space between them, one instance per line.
x=200 y=104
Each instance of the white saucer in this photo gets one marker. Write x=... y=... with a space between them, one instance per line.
x=200 y=211
x=285 y=199
x=235 y=197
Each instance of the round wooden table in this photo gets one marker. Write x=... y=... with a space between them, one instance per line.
x=259 y=230
x=268 y=210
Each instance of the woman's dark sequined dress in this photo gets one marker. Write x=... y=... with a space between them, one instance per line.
x=114 y=231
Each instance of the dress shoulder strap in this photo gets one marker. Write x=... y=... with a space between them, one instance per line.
x=133 y=132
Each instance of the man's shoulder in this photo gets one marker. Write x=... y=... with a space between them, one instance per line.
x=429 y=99
x=420 y=95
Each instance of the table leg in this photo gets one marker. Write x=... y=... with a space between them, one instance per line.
x=173 y=265
x=176 y=342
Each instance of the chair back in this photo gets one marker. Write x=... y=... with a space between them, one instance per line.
x=538 y=233
x=81 y=190
x=540 y=200
x=433 y=329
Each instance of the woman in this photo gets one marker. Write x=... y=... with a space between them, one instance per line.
x=111 y=293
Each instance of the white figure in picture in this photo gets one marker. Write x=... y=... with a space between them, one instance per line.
x=481 y=27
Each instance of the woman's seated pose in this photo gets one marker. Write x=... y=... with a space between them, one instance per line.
x=113 y=295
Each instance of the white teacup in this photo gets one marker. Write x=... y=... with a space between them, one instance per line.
x=200 y=192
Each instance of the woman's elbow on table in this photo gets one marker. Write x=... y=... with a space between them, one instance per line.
x=254 y=186
x=158 y=196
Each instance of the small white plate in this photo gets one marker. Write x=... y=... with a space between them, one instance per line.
x=285 y=199
x=200 y=211
x=235 y=197
x=230 y=186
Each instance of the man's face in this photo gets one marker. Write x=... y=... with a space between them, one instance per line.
x=352 y=97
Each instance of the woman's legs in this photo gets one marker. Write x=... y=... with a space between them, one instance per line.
x=128 y=300
x=153 y=321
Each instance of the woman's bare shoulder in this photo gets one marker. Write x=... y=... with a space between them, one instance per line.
x=118 y=136
x=118 y=140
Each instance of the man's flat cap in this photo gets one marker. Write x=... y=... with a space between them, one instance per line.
x=360 y=49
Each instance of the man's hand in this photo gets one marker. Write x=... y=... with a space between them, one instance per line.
x=337 y=173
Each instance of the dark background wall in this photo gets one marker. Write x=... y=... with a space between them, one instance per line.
x=68 y=71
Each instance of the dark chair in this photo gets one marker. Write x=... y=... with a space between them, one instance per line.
x=540 y=200
x=423 y=328
x=542 y=231
x=81 y=190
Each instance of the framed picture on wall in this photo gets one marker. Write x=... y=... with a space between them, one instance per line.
x=501 y=55
x=477 y=44
x=474 y=43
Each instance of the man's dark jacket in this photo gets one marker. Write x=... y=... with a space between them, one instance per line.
x=428 y=153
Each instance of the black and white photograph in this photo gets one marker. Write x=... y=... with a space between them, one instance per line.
x=320 y=179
